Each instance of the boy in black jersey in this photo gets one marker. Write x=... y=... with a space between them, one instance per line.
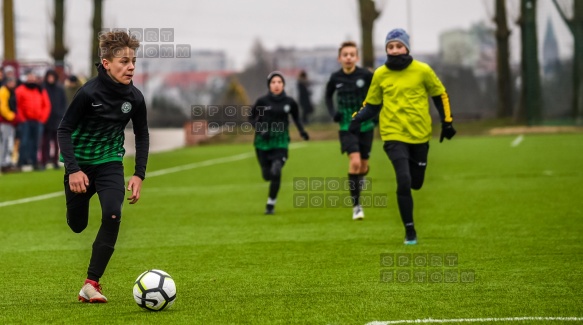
x=350 y=84
x=91 y=138
x=270 y=117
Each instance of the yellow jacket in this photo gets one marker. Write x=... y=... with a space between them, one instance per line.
x=6 y=115
x=404 y=96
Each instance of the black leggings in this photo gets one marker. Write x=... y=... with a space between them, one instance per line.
x=271 y=163
x=409 y=162
x=409 y=176
x=107 y=181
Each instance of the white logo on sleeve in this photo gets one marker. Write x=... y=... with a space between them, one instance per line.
x=126 y=107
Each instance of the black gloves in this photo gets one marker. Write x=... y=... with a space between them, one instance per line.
x=354 y=126
x=337 y=117
x=304 y=135
x=447 y=131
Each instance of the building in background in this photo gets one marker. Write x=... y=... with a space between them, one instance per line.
x=550 y=51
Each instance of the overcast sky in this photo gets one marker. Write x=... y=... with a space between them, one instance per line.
x=233 y=25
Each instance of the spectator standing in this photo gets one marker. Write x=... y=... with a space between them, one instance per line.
x=58 y=100
x=33 y=109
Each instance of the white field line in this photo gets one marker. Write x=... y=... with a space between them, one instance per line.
x=31 y=199
x=199 y=164
x=516 y=142
x=477 y=320
x=160 y=172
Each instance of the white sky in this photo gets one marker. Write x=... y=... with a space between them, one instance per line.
x=233 y=25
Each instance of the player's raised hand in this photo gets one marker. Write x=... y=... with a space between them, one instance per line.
x=78 y=182
x=134 y=185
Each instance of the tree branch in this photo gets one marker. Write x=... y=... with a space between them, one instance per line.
x=563 y=16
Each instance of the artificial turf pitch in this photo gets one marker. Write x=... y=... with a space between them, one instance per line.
x=504 y=216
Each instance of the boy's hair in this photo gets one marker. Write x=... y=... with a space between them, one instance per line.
x=347 y=44
x=111 y=44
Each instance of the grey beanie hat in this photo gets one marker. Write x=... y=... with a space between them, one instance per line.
x=275 y=74
x=400 y=35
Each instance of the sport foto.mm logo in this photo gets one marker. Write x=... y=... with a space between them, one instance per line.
x=423 y=268
x=156 y=43
x=333 y=192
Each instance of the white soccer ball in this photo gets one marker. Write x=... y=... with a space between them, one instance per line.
x=155 y=290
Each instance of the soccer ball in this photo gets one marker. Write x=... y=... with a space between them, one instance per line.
x=154 y=290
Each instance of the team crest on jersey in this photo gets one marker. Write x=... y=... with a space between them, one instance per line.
x=286 y=108
x=126 y=107
x=359 y=83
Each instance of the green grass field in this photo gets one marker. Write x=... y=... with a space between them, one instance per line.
x=512 y=215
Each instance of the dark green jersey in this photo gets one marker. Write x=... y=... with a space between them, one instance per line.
x=270 y=117
x=350 y=92
x=92 y=130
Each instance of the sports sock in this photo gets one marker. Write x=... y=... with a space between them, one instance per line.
x=354 y=187
x=270 y=206
x=274 y=186
x=362 y=183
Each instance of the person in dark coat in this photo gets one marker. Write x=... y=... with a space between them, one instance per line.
x=304 y=94
x=58 y=101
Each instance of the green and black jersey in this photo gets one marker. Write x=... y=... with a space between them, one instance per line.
x=270 y=117
x=350 y=92
x=92 y=129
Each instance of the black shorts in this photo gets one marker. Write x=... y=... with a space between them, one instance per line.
x=267 y=157
x=416 y=154
x=107 y=180
x=361 y=143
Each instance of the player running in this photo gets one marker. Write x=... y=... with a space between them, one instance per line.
x=400 y=91
x=91 y=138
x=270 y=117
x=350 y=84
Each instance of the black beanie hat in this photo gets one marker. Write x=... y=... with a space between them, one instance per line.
x=274 y=74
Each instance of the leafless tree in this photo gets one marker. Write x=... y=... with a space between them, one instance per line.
x=254 y=76
x=8 y=18
x=504 y=105
x=368 y=14
x=97 y=23
x=59 y=49
x=575 y=23
x=529 y=109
